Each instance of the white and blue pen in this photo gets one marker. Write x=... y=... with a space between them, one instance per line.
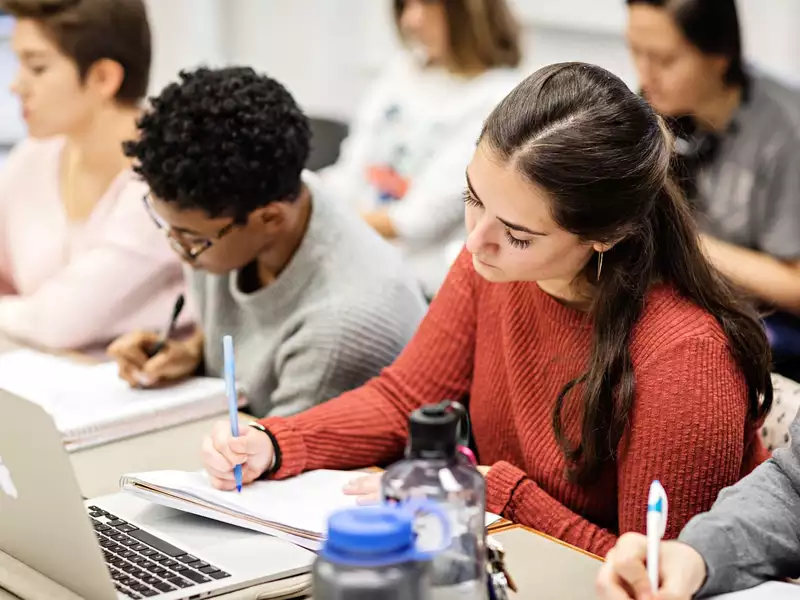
x=233 y=398
x=657 y=507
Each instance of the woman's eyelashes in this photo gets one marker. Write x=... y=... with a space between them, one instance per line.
x=36 y=66
x=516 y=243
x=471 y=200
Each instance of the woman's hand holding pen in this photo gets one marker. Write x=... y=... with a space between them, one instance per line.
x=682 y=571
x=221 y=452
x=174 y=361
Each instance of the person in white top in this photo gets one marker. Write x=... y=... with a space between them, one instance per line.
x=402 y=165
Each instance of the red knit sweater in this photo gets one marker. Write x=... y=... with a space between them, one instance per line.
x=512 y=348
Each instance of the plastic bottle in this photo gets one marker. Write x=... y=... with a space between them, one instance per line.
x=370 y=554
x=434 y=469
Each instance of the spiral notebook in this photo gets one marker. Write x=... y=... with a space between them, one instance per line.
x=91 y=405
x=295 y=510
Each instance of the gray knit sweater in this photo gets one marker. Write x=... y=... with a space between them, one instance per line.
x=342 y=309
x=752 y=533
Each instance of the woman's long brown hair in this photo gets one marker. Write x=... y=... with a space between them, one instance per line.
x=605 y=158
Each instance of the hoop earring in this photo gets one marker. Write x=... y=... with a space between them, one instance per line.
x=599 y=264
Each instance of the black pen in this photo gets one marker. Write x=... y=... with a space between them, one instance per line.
x=176 y=312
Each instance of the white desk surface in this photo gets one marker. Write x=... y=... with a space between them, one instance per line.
x=767 y=591
x=545 y=569
x=99 y=469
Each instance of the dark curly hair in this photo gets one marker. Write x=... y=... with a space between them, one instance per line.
x=225 y=141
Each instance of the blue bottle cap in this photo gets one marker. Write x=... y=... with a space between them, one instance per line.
x=371 y=536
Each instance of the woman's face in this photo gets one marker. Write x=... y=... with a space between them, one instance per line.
x=675 y=75
x=54 y=102
x=424 y=25
x=512 y=235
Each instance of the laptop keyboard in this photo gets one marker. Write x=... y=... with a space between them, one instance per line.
x=142 y=565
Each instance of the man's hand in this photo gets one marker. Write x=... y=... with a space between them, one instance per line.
x=176 y=360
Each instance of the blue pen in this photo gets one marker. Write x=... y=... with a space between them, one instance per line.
x=233 y=399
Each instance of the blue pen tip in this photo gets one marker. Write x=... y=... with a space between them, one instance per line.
x=239 y=489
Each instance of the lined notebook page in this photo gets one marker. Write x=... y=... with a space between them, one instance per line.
x=82 y=397
x=302 y=503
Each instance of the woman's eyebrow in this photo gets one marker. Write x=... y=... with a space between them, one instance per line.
x=512 y=226
x=520 y=228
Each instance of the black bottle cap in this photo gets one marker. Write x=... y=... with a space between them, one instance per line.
x=433 y=430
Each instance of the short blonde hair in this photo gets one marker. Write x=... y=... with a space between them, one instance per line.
x=483 y=34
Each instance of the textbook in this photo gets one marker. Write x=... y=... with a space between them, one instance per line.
x=91 y=405
x=295 y=510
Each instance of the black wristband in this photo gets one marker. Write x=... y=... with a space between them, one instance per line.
x=276 y=463
x=277 y=449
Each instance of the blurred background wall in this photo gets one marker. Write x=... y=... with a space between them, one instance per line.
x=327 y=51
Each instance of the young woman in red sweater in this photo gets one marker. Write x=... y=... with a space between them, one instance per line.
x=597 y=348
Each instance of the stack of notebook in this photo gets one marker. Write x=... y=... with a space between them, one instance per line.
x=91 y=405
x=295 y=510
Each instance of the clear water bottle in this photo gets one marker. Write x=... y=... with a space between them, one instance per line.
x=435 y=470
x=371 y=554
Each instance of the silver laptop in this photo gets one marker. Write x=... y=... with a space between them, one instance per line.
x=117 y=546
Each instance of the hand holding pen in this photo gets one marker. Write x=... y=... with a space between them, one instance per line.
x=146 y=359
x=642 y=567
x=237 y=452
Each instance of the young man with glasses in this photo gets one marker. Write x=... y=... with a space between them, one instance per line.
x=316 y=301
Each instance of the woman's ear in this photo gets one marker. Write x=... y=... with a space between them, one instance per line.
x=105 y=78
x=604 y=247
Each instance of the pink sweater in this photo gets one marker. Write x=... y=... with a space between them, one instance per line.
x=73 y=284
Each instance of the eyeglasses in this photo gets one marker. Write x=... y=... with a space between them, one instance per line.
x=188 y=249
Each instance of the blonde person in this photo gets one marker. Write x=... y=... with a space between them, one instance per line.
x=80 y=261
x=412 y=138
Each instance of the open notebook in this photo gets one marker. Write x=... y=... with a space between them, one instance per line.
x=295 y=510
x=91 y=405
